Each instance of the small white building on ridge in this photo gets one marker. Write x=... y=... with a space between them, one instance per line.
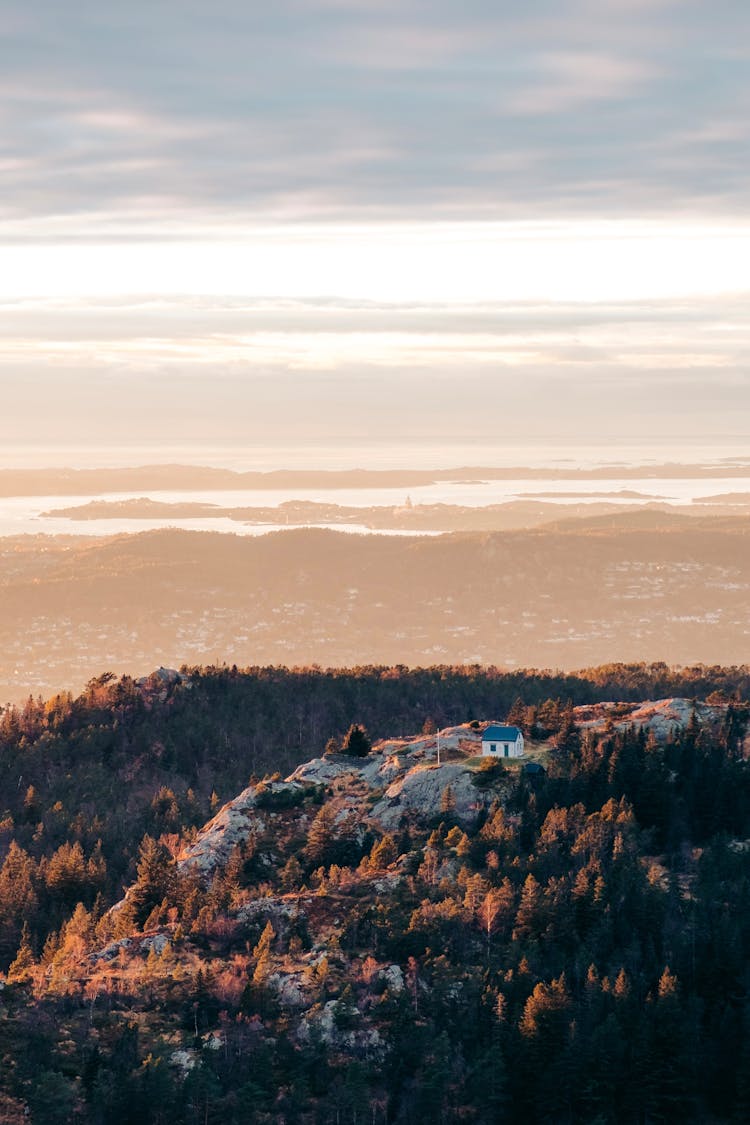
x=502 y=742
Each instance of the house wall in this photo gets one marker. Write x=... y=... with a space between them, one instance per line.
x=515 y=749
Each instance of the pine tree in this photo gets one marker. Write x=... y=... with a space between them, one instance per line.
x=18 y=899
x=21 y=967
x=154 y=879
x=65 y=876
x=356 y=742
x=384 y=853
x=517 y=715
x=567 y=741
x=528 y=917
x=447 y=800
x=291 y=875
x=488 y=915
x=262 y=955
x=31 y=809
x=330 y=839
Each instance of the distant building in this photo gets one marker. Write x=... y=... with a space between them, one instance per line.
x=502 y=742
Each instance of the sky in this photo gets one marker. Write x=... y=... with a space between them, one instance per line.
x=320 y=223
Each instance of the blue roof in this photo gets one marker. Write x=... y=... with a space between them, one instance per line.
x=496 y=733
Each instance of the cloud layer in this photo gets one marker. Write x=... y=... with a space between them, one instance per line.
x=140 y=112
x=419 y=219
x=245 y=371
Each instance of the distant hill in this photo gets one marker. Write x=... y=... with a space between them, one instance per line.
x=653 y=517
x=566 y=597
x=512 y=515
x=509 y=516
x=70 y=482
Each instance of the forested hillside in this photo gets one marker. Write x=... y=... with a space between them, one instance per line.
x=564 y=946
x=126 y=758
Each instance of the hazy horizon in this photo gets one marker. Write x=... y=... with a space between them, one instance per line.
x=427 y=454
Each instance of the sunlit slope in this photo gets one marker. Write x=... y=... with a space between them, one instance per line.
x=562 y=598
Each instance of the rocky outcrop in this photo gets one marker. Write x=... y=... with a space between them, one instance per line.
x=140 y=945
x=330 y=1024
x=289 y=988
x=401 y=778
x=402 y=774
x=159 y=683
x=230 y=827
x=161 y=675
x=423 y=790
x=393 y=978
x=323 y=771
x=662 y=717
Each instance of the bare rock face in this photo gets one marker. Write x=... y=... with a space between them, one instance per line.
x=231 y=826
x=279 y=911
x=661 y=717
x=393 y=977
x=322 y=771
x=327 y=1021
x=422 y=790
x=667 y=716
x=289 y=989
x=185 y=1058
x=142 y=946
x=159 y=682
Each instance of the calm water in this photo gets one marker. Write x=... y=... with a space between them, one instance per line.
x=419 y=454
x=22 y=515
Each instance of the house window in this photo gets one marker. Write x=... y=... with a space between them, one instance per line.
x=493 y=748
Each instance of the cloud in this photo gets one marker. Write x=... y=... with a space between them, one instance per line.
x=568 y=80
x=364 y=109
x=475 y=356
x=130 y=403
x=423 y=217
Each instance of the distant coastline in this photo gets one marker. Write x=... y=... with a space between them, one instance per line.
x=71 y=482
x=417 y=518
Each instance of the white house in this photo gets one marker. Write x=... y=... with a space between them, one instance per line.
x=502 y=742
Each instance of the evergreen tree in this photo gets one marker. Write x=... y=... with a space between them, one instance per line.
x=18 y=900
x=291 y=876
x=447 y=801
x=20 y=969
x=356 y=742
x=262 y=955
x=154 y=879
